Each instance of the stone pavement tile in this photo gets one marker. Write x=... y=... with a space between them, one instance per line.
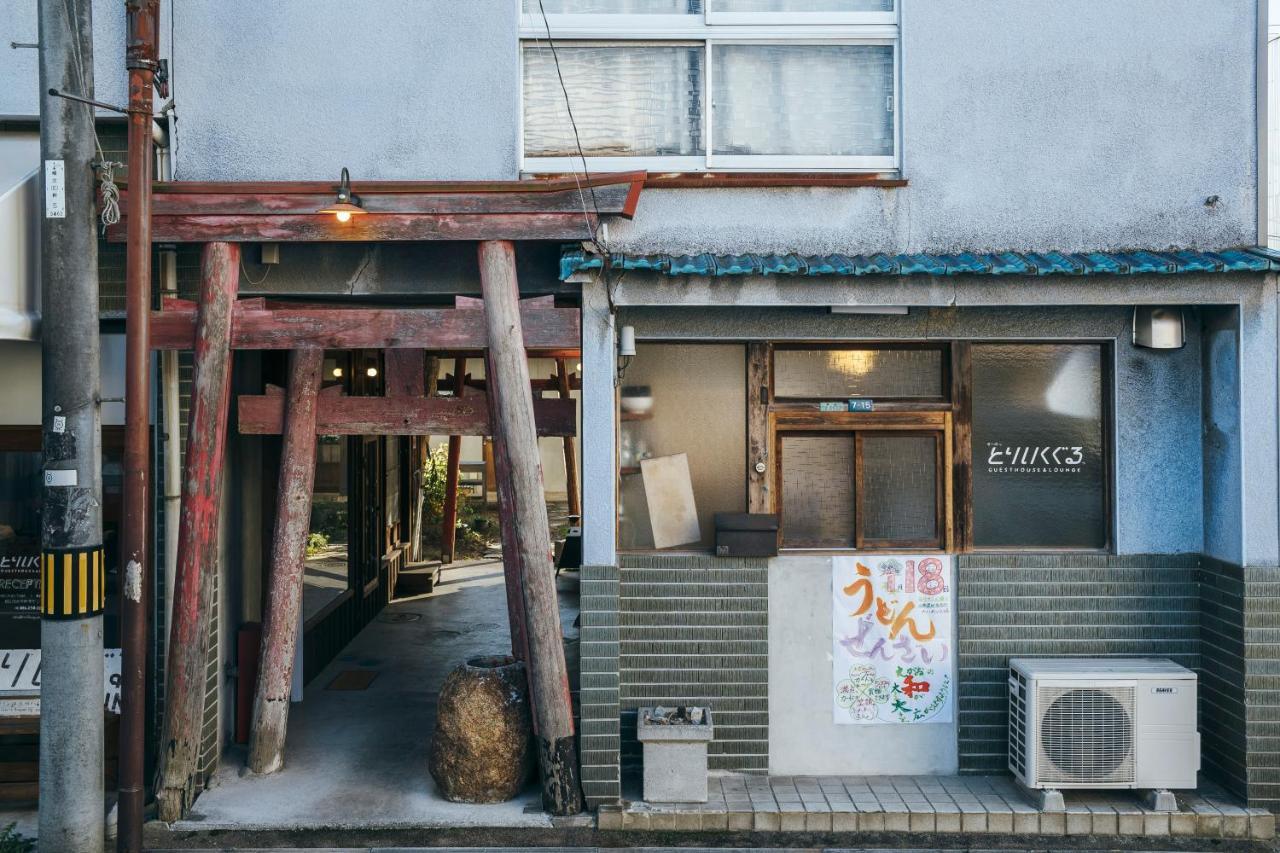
x=817 y=822
x=741 y=821
x=921 y=821
x=947 y=822
x=897 y=821
x=791 y=821
x=871 y=821
x=715 y=821
x=1182 y=824
x=1105 y=822
x=1155 y=824
x=659 y=821
x=844 y=822
x=1053 y=823
x=1026 y=823
x=816 y=806
x=972 y=821
x=767 y=822
x=1001 y=822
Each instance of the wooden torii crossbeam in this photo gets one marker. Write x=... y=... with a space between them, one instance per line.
x=506 y=333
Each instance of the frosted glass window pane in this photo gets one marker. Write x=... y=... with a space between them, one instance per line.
x=627 y=101
x=899 y=488
x=817 y=100
x=614 y=7
x=817 y=491
x=799 y=5
x=837 y=373
x=1039 y=455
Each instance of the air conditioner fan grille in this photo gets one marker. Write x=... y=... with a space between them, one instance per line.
x=1086 y=734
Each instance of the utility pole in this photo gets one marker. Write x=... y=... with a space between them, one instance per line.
x=73 y=571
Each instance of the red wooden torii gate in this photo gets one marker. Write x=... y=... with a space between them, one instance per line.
x=505 y=331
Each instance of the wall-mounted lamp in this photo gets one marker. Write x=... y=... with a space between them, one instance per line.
x=626 y=349
x=1156 y=327
x=347 y=203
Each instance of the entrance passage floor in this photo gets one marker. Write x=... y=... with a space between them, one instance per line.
x=929 y=804
x=356 y=758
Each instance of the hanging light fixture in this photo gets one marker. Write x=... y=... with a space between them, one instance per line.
x=347 y=204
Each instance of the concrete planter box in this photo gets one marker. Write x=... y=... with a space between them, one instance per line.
x=675 y=758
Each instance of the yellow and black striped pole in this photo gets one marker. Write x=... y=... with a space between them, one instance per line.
x=73 y=583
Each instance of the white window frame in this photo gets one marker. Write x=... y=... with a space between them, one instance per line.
x=712 y=29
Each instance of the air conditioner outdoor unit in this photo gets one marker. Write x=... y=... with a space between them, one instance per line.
x=1102 y=723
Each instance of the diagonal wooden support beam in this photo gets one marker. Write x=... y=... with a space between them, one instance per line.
x=182 y=729
x=288 y=555
x=524 y=522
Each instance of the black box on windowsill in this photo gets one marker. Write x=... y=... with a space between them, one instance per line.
x=746 y=534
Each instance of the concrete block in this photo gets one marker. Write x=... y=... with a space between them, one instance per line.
x=675 y=759
x=1161 y=800
x=792 y=821
x=1235 y=825
x=689 y=821
x=662 y=821
x=636 y=820
x=715 y=821
x=1026 y=823
x=871 y=821
x=740 y=821
x=1079 y=823
x=1208 y=825
x=767 y=822
x=948 y=822
x=972 y=821
x=1001 y=822
x=1182 y=824
x=609 y=818
x=1106 y=823
x=1155 y=824
x=921 y=821
x=897 y=822
x=1130 y=823
x=844 y=822
x=1262 y=824
x=1053 y=823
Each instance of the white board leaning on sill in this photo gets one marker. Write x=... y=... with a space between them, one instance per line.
x=668 y=492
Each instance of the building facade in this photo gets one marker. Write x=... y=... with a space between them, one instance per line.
x=945 y=218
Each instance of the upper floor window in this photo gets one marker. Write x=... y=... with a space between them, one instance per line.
x=688 y=85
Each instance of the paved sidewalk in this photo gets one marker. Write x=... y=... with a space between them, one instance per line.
x=934 y=804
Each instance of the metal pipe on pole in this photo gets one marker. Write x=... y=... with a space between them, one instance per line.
x=73 y=570
x=141 y=60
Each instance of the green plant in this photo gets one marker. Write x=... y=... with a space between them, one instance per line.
x=12 y=841
x=316 y=542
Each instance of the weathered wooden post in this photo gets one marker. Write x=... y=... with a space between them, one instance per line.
x=511 y=408
x=198 y=532
x=449 y=517
x=570 y=450
x=288 y=555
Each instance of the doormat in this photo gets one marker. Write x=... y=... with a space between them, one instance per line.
x=353 y=679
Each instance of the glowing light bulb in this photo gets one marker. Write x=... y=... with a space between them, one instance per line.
x=343 y=216
x=337 y=371
x=371 y=371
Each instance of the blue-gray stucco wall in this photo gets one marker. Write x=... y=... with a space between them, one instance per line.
x=1027 y=124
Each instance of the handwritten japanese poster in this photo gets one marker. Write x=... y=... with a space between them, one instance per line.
x=892 y=648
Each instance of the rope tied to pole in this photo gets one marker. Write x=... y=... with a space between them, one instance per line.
x=109 y=191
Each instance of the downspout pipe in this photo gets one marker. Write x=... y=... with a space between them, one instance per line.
x=169 y=400
x=141 y=60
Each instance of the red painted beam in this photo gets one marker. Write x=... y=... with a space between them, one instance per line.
x=338 y=415
x=542 y=184
x=367 y=228
x=546 y=330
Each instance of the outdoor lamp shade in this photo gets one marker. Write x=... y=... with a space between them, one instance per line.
x=1157 y=327
x=347 y=203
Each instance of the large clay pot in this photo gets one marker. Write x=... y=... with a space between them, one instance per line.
x=482 y=750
